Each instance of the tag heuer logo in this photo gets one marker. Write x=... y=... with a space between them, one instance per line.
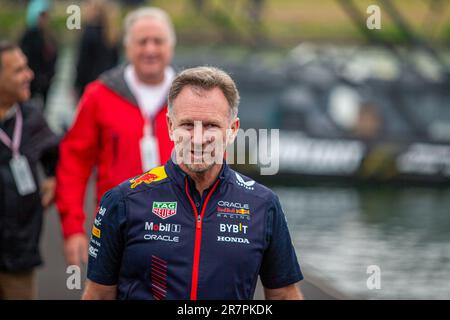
x=164 y=210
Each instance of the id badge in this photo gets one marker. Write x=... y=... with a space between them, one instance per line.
x=23 y=177
x=149 y=152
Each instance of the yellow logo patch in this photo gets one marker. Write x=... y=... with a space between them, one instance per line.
x=155 y=174
x=242 y=211
x=96 y=232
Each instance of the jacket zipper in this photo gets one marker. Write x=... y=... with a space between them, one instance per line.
x=198 y=237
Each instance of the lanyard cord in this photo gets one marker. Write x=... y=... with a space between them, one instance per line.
x=17 y=134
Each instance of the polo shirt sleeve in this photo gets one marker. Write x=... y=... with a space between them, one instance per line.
x=107 y=240
x=279 y=267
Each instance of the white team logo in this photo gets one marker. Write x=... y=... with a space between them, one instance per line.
x=246 y=184
x=101 y=211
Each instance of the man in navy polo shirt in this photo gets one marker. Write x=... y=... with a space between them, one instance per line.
x=193 y=228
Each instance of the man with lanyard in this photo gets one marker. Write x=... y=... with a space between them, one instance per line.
x=120 y=125
x=25 y=140
x=193 y=228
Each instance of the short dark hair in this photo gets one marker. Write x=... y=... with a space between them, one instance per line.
x=206 y=78
x=5 y=46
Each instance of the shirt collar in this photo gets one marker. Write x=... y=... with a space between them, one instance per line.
x=178 y=175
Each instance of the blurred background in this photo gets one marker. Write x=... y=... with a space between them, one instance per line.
x=364 y=119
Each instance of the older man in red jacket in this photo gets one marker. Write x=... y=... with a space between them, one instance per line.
x=120 y=126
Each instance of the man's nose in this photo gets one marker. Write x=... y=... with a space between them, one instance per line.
x=150 y=47
x=30 y=74
x=197 y=139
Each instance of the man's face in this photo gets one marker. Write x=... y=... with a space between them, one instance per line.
x=15 y=77
x=149 y=49
x=201 y=127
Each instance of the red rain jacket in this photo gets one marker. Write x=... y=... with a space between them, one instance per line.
x=105 y=134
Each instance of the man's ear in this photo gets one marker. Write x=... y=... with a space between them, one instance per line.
x=169 y=126
x=232 y=133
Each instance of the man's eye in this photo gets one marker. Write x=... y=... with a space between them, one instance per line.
x=187 y=125
x=159 y=42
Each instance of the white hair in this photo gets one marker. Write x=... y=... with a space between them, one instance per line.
x=149 y=13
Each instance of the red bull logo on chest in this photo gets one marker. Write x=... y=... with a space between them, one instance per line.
x=153 y=175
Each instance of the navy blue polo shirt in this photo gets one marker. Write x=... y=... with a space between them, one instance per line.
x=155 y=237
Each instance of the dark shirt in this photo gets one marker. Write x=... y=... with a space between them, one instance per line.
x=155 y=237
x=41 y=51
x=94 y=56
x=21 y=216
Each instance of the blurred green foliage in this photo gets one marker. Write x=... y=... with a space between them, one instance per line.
x=282 y=23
